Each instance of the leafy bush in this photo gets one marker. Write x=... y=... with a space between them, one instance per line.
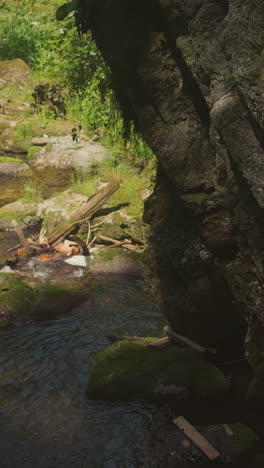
x=56 y=52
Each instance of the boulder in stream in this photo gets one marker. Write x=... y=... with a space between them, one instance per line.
x=24 y=213
x=12 y=166
x=16 y=298
x=133 y=369
x=59 y=207
x=20 y=301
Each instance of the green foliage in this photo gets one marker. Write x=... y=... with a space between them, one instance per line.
x=56 y=52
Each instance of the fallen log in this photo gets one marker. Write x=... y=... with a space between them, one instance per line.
x=84 y=213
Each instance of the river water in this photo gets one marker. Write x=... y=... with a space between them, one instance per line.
x=46 y=418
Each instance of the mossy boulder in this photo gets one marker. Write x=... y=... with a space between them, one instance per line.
x=32 y=152
x=19 y=301
x=53 y=300
x=117 y=260
x=20 y=211
x=59 y=208
x=133 y=369
x=16 y=298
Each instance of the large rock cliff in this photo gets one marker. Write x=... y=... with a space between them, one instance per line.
x=191 y=74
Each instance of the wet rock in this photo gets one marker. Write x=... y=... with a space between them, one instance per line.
x=117 y=261
x=14 y=167
x=16 y=298
x=133 y=369
x=19 y=301
x=23 y=212
x=53 y=210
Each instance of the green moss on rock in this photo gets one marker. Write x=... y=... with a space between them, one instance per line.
x=7 y=159
x=133 y=369
x=32 y=151
x=53 y=299
x=15 y=298
x=244 y=438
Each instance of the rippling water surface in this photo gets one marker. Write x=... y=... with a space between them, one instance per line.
x=46 y=418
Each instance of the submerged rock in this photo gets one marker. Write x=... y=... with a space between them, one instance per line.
x=16 y=298
x=19 y=301
x=132 y=369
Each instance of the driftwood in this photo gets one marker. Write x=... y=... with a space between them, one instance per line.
x=196 y=438
x=84 y=213
x=116 y=243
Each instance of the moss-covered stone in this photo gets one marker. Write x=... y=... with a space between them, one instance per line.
x=20 y=211
x=18 y=300
x=32 y=151
x=50 y=299
x=117 y=260
x=244 y=438
x=59 y=207
x=133 y=369
x=7 y=159
x=15 y=298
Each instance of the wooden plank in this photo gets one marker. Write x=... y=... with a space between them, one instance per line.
x=196 y=438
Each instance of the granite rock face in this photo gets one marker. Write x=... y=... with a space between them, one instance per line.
x=191 y=73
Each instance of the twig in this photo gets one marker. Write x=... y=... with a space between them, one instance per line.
x=89 y=233
x=92 y=242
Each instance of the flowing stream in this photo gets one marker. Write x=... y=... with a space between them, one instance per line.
x=46 y=418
